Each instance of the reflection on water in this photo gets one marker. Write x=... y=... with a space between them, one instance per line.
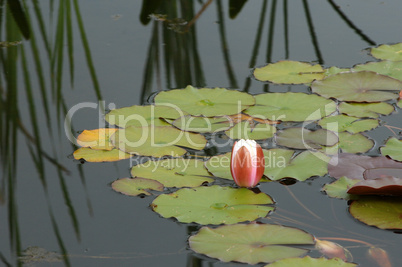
x=42 y=45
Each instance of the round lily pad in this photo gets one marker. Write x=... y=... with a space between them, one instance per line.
x=137 y=186
x=96 y=139
x=213 y=205
x=206 y=102
x=393 y=149
x=302 y=138
x=291 y=107
x=388 y=52
x=381 y=212
x=375 y=173
x=289 y=72
x=388 y=68
x=284 y=163
x=389 y=186
x=203 y=124
x=177 y=172
x=143 y=115
x=250 y=243
x=354 y=143
x=96 y=155
x=369 y=110
x=354 y=166
x=350 y=143
x=362 y=86
x=342 y=123
x=156 y=141
x=245 y=130
x=311 y=262
x=339 y=188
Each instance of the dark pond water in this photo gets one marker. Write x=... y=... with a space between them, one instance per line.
x=121 y=56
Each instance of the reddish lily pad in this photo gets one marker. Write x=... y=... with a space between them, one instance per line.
x=382 y=173
x=354 y=166
x=362 y=86
x=390 y=186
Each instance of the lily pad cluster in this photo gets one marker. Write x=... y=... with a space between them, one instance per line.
x=304 y=135
x=362 y=177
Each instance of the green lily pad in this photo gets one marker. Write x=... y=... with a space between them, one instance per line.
x=362 y=86
x=286 y=163
x=350 y=143
x=143 y=116
x=177 y=172
x=289 y=72
x=392 y=149
x=342 y=123
x=250 y=243
x=334 y=70
x=302 y=138
x=219 y=166
x=399 y=104
x=156 y=141
x=244 y=130
x=369 y=110
x=213 y=205
x=382 y=212
x=354 y=143
x=339 y=188
x=136 y=186
x=206 y=101
x=203 y=124
x=291 y=107
x=96 y=155
x=388 y=68
x=311 y=262
x=388 y=52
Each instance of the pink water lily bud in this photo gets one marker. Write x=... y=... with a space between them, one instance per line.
x=332 y=250
x=380 y=256
x=247 y=163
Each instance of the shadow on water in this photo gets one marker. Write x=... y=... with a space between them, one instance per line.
x=18 y=18
x=173 y=61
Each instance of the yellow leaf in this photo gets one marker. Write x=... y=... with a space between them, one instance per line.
x=96 y=139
